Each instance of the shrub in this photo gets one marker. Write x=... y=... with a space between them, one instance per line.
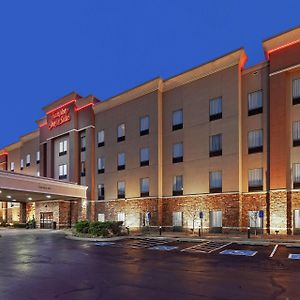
x=82 y=226
x=19 y=225
x=98 y=229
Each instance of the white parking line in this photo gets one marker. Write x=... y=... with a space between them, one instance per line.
x=274 y=250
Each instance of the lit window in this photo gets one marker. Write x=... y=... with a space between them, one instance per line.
x=177 y=153
x=101 y=165
x=38 y=173
x=255 y=141
x=144 y=157
x=121 y=161
x=296 y=134
x=255 y=180
x=63 y=147
x=255 y=103
x=296 y=91
x=12 y=166
x=215 y=182
x=121 y=217
x=215 y=145
x=215 y=109
x=100 y=138
x=121 y=189
x=144 y=125
x=177 y=185
x=38 y=157
x=296 y=176
x=27 y=160
x=101 y=217
x=144 y=187
x=22 y=164
x=82 y=169
x=101 y=192
x=121 y=132
x=62 y=169
x=177 y=120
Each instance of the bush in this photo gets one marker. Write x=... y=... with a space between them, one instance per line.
x=19 y=225
x=82 y=226
x=98 y=229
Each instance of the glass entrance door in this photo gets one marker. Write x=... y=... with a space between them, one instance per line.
x=46 y=220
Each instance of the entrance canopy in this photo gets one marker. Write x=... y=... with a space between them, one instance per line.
x=27 y=188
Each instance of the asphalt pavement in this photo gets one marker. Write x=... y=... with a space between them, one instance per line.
x=46 y=265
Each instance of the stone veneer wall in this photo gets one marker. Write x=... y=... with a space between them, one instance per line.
x=49 y=206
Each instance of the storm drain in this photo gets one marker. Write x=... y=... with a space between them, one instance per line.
x=206 y=247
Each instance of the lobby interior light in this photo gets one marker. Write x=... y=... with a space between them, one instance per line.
x=14 y=200
x=48 y=196
x=8 y=196
x=29 y=198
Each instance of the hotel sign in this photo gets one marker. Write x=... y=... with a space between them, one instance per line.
x=59 y=117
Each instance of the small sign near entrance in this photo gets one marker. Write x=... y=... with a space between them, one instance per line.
x=261 y=214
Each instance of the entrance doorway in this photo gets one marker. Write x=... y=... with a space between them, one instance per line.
x=297 y=221
x=46 y=220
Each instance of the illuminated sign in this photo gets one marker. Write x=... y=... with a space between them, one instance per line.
x=59 y=117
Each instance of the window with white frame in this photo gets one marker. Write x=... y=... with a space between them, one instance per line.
x=144 y=125
x=62 y=171
x=12 y=166
x=63 y=147
x=101 y=217
x=215 y=109
x=296 y=175
x=215 y=181
x=215 y=145
x=177 y=185
x=22 y=164
x=296 y=134
x=255 y=179
x=121 y=217
x=296 y=91
x=144 y=187
x=121 y=161
x=255 y=103
x=121 y=132
x=255 y=141
x=27 y=160
x=38 y=157
x=101 y=165
x=101 y=191
x=144 y=157
x=100 y=138
x=177 y=153
x=177 y=120
x=121 y=189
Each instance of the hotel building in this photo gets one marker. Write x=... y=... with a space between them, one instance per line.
x=217 y=145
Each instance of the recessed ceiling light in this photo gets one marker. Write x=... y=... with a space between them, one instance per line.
x=0 y=192
x=48 y=196
x=29 y=198
x=8 y=197
x=14 y=200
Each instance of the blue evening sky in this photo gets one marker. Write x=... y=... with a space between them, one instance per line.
x=52 y=47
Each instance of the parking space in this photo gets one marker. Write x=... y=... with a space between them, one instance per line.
x=287 y=252
x=134 y=243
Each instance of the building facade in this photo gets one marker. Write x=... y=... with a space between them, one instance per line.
x=217 y=146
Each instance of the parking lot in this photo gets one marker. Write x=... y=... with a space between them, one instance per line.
x=46 y=265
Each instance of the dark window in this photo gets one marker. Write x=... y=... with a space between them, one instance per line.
x=215 y=109
x=215 y=145
x=177 y=120
x=121 y=138
x=255 y=141
x=255 y=103
x=82 y=169
x=144 y=125
x=177 y=153
x=101 y=192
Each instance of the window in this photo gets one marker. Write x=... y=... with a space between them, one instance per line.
x=101 y=165
x=215 y=145
x=121 y=217
x=255 y=103
x=121 y=189
x=254 y=220
x=27 y=160
x=144 y=125
x=63 y=148
x=255 y=180
x=101 y=192
x=38 y=157
x=215 y=182
x=100 y=138
x=177 y=153
x=255 y=141
x=12 y=166
x=144 y=157
x=177 y=185
x=121 y=161
x=296 y=176
x=22 y=164
x=121 y=132
x=38 y=173
x=177 y=219
x=144 y=187
x=82 y=169
x=296 y=91
x=83 y=142
x=101 y=217
x=296 y=134
x=62 y=169
x=177 y=120
x=215 y=109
